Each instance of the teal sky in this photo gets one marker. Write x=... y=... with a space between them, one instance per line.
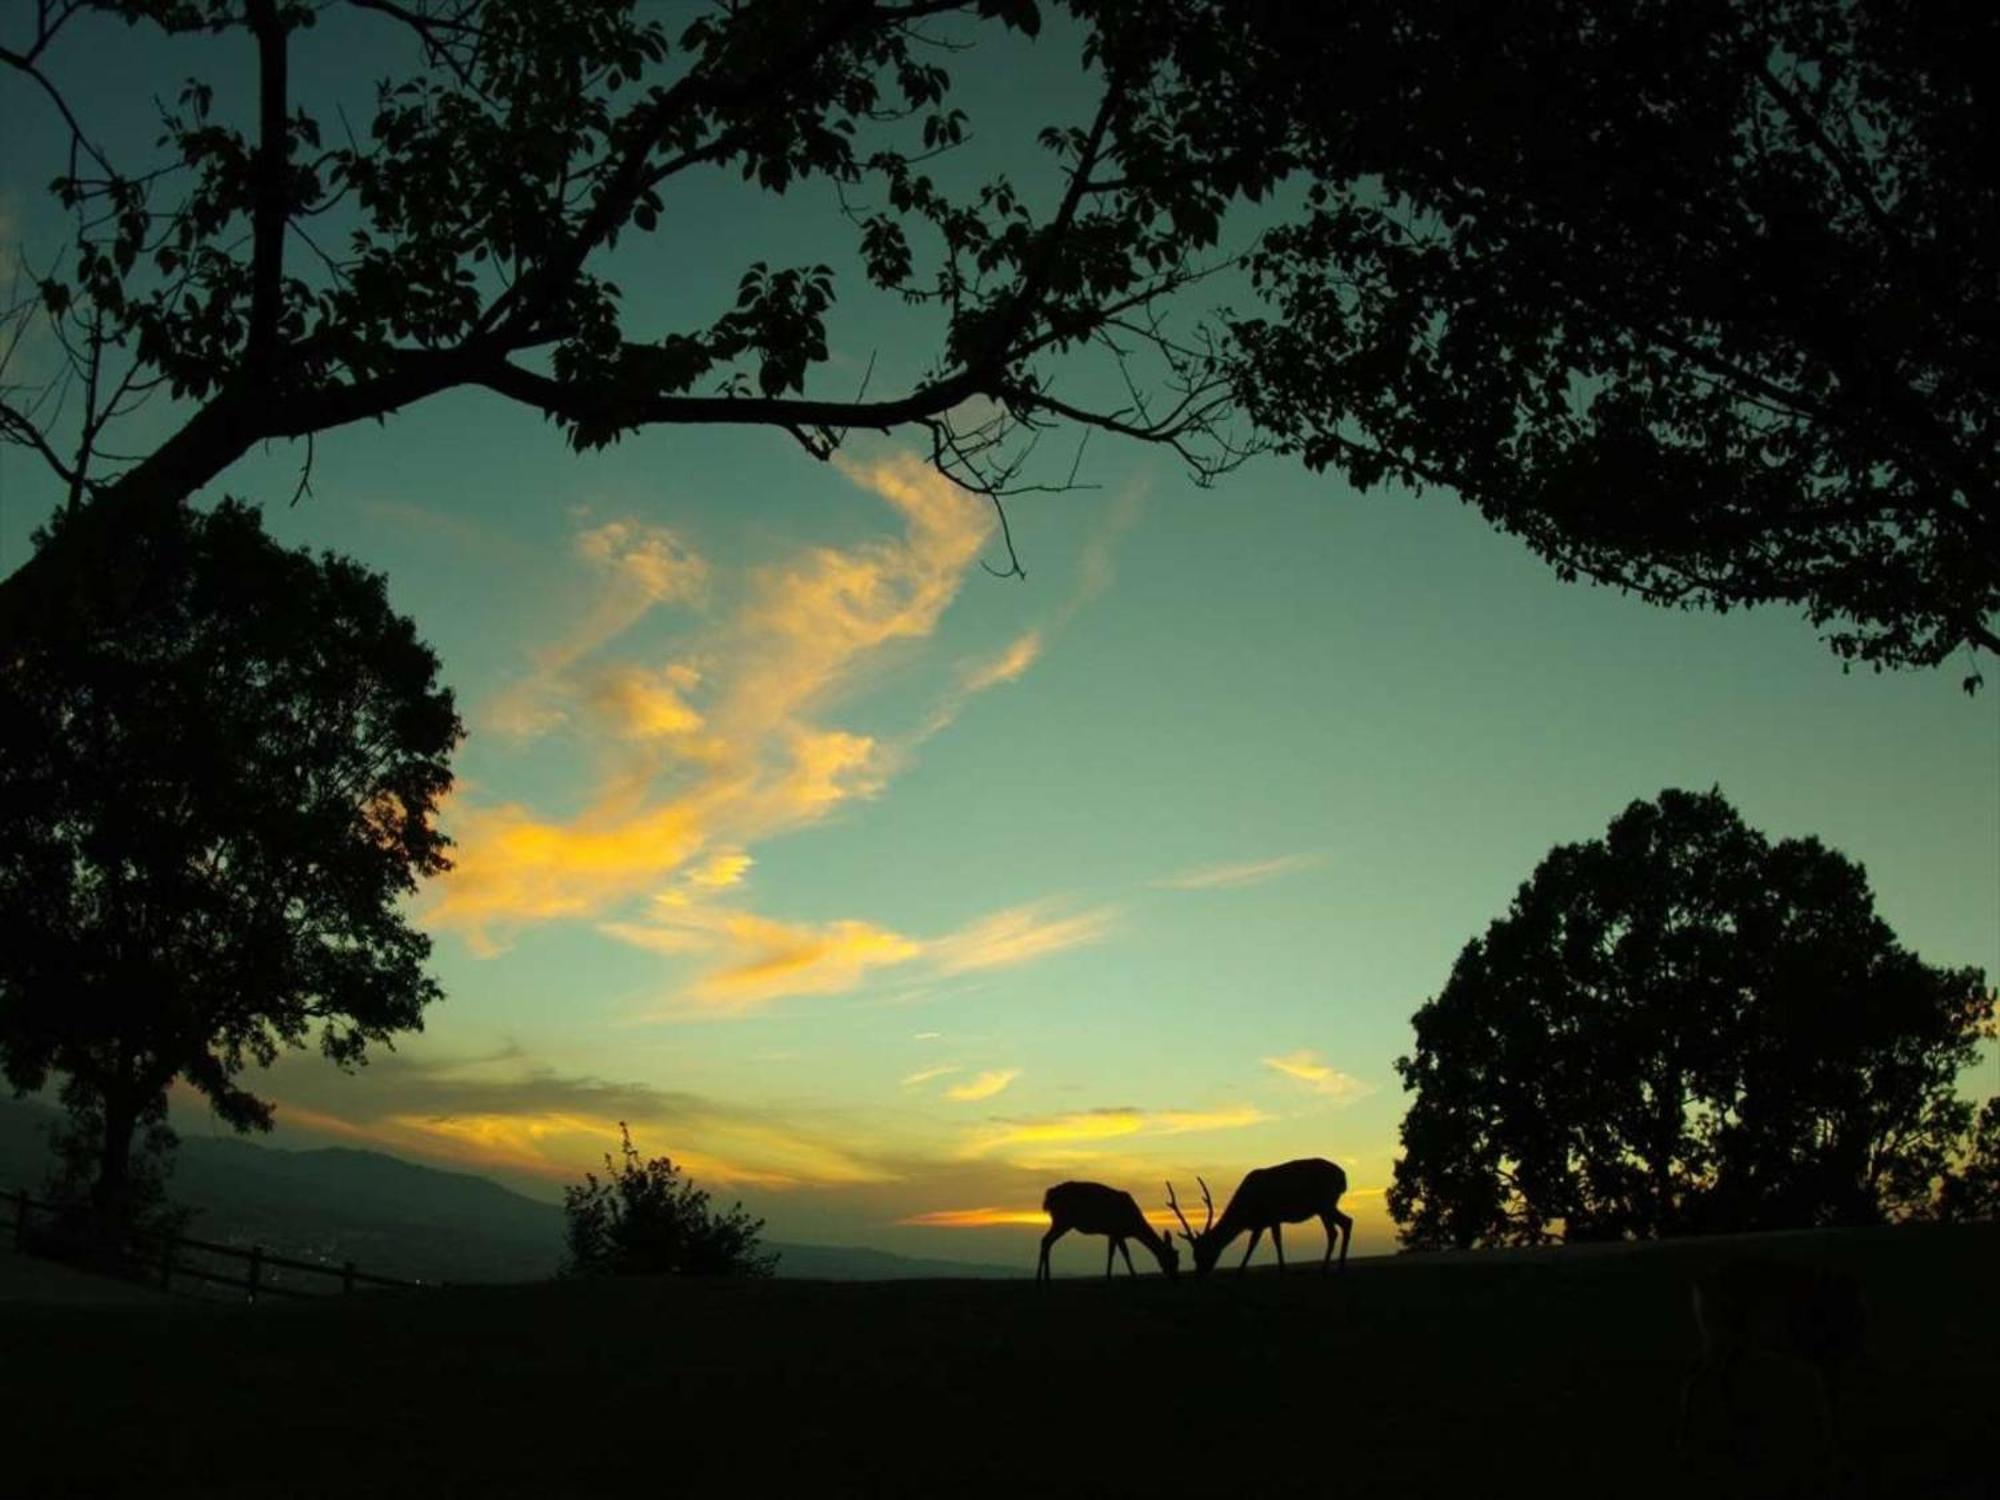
x=780 y=821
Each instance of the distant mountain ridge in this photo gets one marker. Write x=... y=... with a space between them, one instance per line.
x=395 y=1217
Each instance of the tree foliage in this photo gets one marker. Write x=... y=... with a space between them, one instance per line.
x=1697 y=299
x=1682 y=1027
x=218 y=769
x=646 y=1219
x=1971 y=1189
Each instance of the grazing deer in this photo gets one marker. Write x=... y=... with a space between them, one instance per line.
x=1265 y=1199
x=1093 y=1208
x=1760 y=1401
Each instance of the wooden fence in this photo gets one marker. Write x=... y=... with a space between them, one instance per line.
x=162 y=1262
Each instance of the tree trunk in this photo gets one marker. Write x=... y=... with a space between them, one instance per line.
x=111 y=1193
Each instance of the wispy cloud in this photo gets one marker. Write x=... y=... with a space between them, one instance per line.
x=984 y=1086
x=1095 y=1125
x=1011 y=1218
x=1248 y=872
x=632 y=567
x=1308 y=1068
x=770 y=959
x=1018 y=935
x=977 y=1218
x=1008 y=666
x=755 y=960
x=722 y=743
x=925 y=1075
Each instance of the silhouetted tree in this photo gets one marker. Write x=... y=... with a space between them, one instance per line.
x=1693 y=298
x=218 y=769
x=1971 y=1189
x=1682 y=1027
x=1696 y=299
x=646 y=1219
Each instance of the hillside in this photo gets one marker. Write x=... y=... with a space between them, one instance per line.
x=394 y=1217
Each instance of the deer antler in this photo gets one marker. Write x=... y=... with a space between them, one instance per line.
x=1208 y=1208
x=1187 y=1229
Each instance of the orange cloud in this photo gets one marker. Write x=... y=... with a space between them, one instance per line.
x=1254 y=872
x=985 y=1086
x=977 y=1218
x=1103 y=1125
x=511 y=867
x=1307 y=1068
x=1008 y=1218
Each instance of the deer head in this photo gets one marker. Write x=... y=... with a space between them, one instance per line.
x=1203 y=1244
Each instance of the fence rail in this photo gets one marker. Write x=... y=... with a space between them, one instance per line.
x=162 y=1261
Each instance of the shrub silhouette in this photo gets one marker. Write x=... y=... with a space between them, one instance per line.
x=647 y=1219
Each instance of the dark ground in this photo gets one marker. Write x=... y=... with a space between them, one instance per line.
x=1546 y=1373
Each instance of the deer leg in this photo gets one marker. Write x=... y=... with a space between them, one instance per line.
x=1244 y=1264
x=1346 y=1226
x=1126 y=1251
x=1042 y=1272
x=1110 y=1250
x=1278 y=1244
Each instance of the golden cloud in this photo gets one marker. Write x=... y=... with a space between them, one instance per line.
x=1307 y=1068
x=760 y=959
x=977 y=1218
x=724 y=869
x=649 y=560
x=1103 y=1125
x=1253 y=872
x=717 y=758
x=511 y=866
x=984 y=1086
x=635 y=567
x=636 y=704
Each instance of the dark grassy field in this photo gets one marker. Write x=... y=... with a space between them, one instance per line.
x=1552 y=1374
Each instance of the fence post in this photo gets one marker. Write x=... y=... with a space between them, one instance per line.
x=256 y=1269
x=166 y=1262
x=20 y=1218
x=347 y=1277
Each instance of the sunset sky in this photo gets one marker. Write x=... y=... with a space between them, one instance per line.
x=883 y=893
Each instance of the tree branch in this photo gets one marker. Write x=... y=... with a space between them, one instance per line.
x=270 y=203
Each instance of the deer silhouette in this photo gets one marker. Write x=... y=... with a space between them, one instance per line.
x=1266 y=1199
x=1093 y=1208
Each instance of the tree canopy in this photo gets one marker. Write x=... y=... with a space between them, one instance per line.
x=1683 y=1027
x=1699 y=300
x=219 y=767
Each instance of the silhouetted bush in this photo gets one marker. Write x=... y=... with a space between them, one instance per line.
x=647 y=1219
